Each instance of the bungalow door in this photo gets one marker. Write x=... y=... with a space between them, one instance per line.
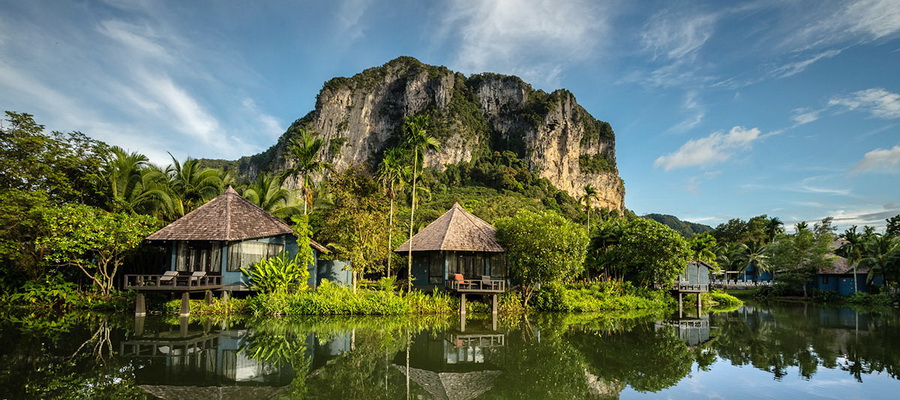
x=199 y=256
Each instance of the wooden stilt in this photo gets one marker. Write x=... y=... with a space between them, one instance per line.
x=462 y=322
x=140 y=305
x=699 y=306
x=139 y=325
x=462 y=304
x=225 y=295
x=494 y=304
x=185 y=304
x=208 y=297
x=680 y=305
x=184 y=323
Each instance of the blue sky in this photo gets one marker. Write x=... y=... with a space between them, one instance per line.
x=721 y=109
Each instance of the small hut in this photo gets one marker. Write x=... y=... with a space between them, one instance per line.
x=224 y=235
x=457 y=242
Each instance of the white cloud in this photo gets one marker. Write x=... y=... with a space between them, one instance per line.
x=713 y=149
x=880 y=160
x=692 y=106
x=803 y=116
x=797 y=67
x=503 y=35
x=877 y=101
x=676 y=36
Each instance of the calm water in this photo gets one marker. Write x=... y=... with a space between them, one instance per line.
x=756 y=352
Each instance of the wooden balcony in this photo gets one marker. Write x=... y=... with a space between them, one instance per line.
x=173 y=282
x=685 y=287
x=484 y=285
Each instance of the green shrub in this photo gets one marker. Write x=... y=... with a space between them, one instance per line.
x=597 y=296
x=278 y=274
x=868 y=299
x=724 y=300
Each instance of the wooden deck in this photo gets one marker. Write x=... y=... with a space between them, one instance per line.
x=684 y=287
x=178 y=283
x=478 y=286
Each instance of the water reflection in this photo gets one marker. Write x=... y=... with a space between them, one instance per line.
x=443 y=357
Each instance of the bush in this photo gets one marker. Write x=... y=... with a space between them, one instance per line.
x=724 y=300
x=217 y=307
x=863 y=298
x=278 y=274
x=597 y=296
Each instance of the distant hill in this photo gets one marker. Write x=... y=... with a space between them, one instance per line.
x=685 y=228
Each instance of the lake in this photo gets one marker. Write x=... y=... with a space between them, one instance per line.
x=785 y=351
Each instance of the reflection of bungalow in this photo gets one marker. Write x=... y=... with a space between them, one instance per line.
x=457 y=242
x=224 y=235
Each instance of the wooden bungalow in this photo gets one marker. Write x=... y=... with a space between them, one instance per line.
x=209 y=246
x=456 y=247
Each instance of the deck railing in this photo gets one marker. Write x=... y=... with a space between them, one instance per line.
x=477 y=285
x=172 y=282
x=692 y=287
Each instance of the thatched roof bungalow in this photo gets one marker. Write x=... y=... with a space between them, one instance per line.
x=226 y=234
x=457 y=242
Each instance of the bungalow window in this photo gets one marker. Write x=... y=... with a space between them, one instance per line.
x=245 y=254
x=436 y=269
x=199 y=256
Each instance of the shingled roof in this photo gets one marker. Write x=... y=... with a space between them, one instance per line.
x=456 y=230
x=227 y=218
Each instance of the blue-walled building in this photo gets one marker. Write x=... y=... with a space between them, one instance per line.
x=229 y=233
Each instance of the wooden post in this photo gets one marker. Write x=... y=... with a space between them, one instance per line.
x=208 y=297
x=184 y=323
x=139 y=325
x=462 y=304
x=140 y=305
x=225 y=295
x=494 y=304
x=680 y=305
x=185 y=304
x=699 y=306
x=462 y=322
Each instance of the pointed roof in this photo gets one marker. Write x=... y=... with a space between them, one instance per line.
x=456 y=230
x=227 y=218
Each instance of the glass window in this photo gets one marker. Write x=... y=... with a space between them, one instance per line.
x=245 y=254
x=436 y=269
x=198 y=256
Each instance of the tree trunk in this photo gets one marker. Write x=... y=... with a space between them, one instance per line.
x=412 y=212
x=390 y=232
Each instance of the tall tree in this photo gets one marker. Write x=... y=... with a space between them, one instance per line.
x=755 y=254
x=893 y=226
x=192 y=185
x=644 y=251
x=881 y=255
x=703 y=248
x=305 y=149
x=542 y=248
x=417 y=141
x=799 y=256
x=391 y=172
x=852 y=250
x=267 y=192
x=590 y=193
x=135 y=185
x=93 y=240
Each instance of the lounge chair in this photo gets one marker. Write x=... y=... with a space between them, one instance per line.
x=168 y=278
x=197 y=277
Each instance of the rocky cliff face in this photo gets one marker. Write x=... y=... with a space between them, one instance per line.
x=360 y=117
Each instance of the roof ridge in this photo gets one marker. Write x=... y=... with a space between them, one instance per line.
x=228 y=212
x=444 y=234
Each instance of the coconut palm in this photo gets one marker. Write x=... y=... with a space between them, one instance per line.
x=305 y=149
x=755 y=254
x=852 y=250
x=267 y=192
x=417 y=141
x=590 y=193
x=135 y=185
x=773 y=228
x=391 y=172
x=881 y=255
x=191 y=185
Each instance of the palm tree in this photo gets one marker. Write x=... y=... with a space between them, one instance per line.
x=391 y=172
x=267 y=192
x=852 y=249
x=135 y=185
x=755 y=254
x=773 y=228
x=305 y=150
x=191 y=185
x=590 y=193
x=416 y=141
x=881 y=255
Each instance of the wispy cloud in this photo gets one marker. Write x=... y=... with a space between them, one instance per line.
x=350 y=17
x=876 y=101
x=710 y=150
x=803 y=116
x=796 y=67
x=884 y=160
x=675 y=36
x=545 y=35
x=697 y=112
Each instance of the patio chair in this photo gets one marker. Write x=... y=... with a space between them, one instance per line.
x=197 y=277
x=168 y=278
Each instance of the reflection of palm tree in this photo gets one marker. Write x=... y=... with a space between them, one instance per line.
x=417 y=141
x=305 y=150
x=391 y=171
